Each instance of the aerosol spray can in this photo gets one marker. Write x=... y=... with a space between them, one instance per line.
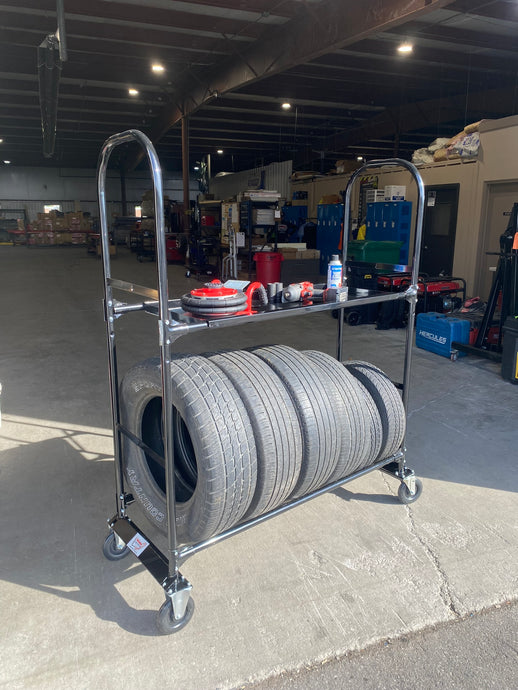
x=334 y=272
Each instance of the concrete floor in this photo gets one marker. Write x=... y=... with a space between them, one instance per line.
x=337 y=575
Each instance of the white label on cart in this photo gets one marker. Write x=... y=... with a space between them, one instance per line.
x=138 y=544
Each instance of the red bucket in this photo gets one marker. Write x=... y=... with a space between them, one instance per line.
x=268 y=267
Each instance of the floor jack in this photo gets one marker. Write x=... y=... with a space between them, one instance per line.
x=505 y=288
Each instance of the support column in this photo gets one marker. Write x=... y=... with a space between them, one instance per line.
x=185 y=176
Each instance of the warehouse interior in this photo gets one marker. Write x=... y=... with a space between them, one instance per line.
x=265 y=116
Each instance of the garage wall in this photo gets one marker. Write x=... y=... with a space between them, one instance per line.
x=497 y=164
x=31 y=188
x=276 y=177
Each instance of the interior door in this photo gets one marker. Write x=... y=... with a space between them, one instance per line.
x=439 y=228
x=501 y=198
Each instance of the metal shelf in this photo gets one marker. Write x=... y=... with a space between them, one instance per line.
x=173 y=323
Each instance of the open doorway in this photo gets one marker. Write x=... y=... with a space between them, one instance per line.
x=439 y=228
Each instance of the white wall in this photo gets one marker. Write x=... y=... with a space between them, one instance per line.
x=276 y=176
x=31 y=188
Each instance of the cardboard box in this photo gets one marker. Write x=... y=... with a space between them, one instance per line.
x=374 y=195
x=394 y=192
x=291 y=254
x=112 y=249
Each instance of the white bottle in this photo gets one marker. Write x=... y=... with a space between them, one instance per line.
x=334 y=272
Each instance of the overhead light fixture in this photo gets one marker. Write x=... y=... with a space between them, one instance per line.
x=405 y=48
x=219 y=151
x=1 y=141
x=157 y=68
x=196 y=167
x=7 y=162
x=286 y=105
x=133 y=92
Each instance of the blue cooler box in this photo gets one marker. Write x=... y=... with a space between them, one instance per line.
x=436 y=332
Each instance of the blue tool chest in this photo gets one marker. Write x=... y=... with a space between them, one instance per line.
x=329 y=229
x=436 y=332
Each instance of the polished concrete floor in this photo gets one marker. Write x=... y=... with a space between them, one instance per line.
x=337 y=575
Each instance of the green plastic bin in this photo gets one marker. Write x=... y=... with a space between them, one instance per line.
x=375 y=252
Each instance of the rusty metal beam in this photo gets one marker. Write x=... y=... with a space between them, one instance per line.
x=320 y=29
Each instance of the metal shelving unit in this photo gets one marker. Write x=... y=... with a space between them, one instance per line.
x=173 y=323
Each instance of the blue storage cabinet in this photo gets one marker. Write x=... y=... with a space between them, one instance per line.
x=390 y=220
x=436 y=332
x=329 y=227
x=295 y=215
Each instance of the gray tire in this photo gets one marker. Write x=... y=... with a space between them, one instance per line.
x=346 y=414
x=278 y=439
x=388 y=401
x=218 y=489
x=318 y=423
x=363 y=416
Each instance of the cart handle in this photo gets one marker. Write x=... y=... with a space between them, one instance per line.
x=134 y=135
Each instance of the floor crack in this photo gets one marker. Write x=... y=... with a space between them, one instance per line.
x=444 y=589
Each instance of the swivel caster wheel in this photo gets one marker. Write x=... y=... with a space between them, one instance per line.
x=113 y=552
x=165 y=620
x=404 y=494
x=353 y=318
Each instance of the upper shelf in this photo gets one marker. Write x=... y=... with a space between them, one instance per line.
x=182 y=321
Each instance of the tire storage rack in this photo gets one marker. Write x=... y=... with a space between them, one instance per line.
x=184 y=540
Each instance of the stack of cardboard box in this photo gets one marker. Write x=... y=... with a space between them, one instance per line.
x=59 y=229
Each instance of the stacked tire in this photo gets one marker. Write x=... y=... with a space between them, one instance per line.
x=253 y=430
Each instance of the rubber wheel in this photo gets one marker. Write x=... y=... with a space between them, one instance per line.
x=366 y=430
x=318 y=421
x=165 y=620
x=353 y=318
x=110 y=550
x=388 y=401
x=278 y=438
x=404 y=494
x=219 y=466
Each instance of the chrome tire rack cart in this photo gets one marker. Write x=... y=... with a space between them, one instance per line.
x=173 y=323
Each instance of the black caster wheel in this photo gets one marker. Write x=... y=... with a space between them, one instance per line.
x=353 y=318
x=166 y=622
x=335 y=313
x=110 y=550
x=187 y=274
x=404 y=494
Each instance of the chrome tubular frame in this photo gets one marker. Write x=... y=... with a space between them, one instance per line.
x=173 y=323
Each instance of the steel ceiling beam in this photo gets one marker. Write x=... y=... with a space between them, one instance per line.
x=319 y=30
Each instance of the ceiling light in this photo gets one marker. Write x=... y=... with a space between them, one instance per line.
x=196 y=167
x=157 y=68
x=1 y=141
x=219 y=151
x=405 y=48
x=133 y=92
x=286 y=106
x=7 y=162
x=360 y=158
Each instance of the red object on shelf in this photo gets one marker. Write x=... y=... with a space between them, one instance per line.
x=208 y=220
x=214 y=289
x=268 y=267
